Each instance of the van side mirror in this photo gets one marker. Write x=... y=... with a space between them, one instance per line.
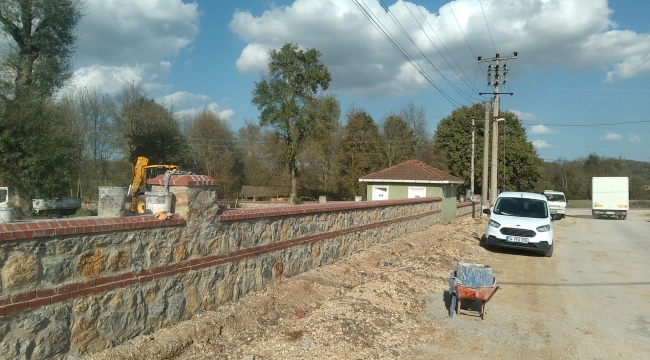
x=486 y=211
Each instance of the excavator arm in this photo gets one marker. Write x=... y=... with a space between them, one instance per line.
x=139 y=182
x=139 y=176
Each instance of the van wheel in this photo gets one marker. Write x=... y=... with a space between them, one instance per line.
x=549 y=253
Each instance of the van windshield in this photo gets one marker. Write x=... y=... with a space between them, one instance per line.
x=555 y=197
x=531 y=208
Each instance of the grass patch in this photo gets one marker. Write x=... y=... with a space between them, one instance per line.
x=573 y=204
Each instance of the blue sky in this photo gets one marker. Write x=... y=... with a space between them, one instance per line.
x=579 y=62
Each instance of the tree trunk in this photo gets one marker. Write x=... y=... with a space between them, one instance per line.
x=294 y=184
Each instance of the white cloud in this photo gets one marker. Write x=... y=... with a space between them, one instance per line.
x=541 y=144
x=109 y=78
x=634 y=138
x=184 y=98
x=254 y=58
x=525 y=117
x=610 y=137
x=124 y=40
x=568 y=33
x=631 y=67
x=540 y=130
x=224 y=114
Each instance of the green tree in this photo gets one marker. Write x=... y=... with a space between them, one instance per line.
x=39 y=57
x=637 y=192
x=359 y=153
x=35 y=62
x=519 y=165
x=36 y=158
x=454 y=136
x=286 y=96
x=150 y=130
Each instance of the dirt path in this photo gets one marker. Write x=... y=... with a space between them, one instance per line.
x=389 y=303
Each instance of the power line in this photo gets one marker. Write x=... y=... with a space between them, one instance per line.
x=442 y=43
x=388 y=36
x=399 y=25
x=603 y=124
x=488 y=26
x=462 y=32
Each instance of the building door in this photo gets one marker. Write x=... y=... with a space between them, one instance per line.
x=380 y=193
x=417 y=192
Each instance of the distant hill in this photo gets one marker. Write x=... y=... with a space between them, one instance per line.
x=640 y=168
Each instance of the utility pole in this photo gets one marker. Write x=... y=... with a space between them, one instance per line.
x=500 y=77
x=486 y=156
x=472 y=182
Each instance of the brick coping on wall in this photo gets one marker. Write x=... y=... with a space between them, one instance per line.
x=82 y=225
x=39 y=298
x=466 y=203
x=245 y=214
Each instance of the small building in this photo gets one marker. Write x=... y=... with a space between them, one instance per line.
x=410 y=179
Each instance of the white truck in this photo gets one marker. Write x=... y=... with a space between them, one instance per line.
x=610 y=197
x=556 y=203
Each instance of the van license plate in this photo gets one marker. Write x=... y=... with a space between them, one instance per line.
x=517 y=239
x=610 y=212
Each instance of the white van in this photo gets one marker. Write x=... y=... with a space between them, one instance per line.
x=556 y=203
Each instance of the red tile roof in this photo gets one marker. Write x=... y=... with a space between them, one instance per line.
x=412 y=171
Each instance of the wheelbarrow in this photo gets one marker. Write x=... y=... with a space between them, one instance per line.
x=459 y=292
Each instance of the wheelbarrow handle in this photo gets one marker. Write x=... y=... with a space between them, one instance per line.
x=492 y=294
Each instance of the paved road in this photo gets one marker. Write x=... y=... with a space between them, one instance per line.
x=589 y=301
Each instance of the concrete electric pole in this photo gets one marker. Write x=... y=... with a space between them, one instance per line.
x=486 y=156
x=472 y=182
x=500 y=77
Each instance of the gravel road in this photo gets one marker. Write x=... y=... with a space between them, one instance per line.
x=586 y=302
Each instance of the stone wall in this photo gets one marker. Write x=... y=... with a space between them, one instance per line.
x=468 y=209
x=71 y=287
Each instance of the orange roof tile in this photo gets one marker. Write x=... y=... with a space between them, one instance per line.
x=412 y=171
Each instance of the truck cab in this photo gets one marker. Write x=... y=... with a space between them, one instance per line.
x=556 y=203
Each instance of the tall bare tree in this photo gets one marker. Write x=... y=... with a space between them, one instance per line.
x=399 y=140
x=318 y=159
x=215 y=153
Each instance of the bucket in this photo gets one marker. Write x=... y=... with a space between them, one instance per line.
x=474 y=275
x=358 y=198
x=6 y=214
x=158 y=201
x=112 y=201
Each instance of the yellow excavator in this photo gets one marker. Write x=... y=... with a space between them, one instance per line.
x=141 y=172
